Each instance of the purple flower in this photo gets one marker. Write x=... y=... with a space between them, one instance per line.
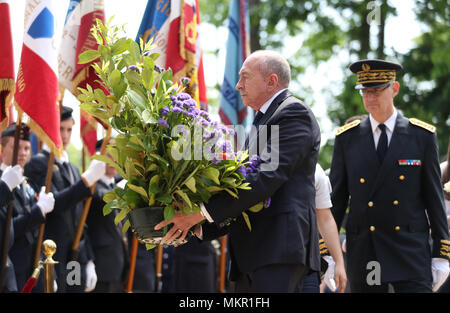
x=176 y=110
x=158 y=69
x=189 y=103
x=183 y=96
x=267 y=203
x=165 y=110
x=133 y=68
x=185 y=80
x=242 y=170
x=163 y=122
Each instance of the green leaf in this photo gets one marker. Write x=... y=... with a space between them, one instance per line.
x=185 y=197
x=154 y=188
x=126 y=226
x=119 y=217
x=190 y=183
x=109 y=196
x=231 y=193
x=139 y=190
x=148 y=117
x=88 y=56
x=169 y=212
x=166 y=198
x=149 y=246
x=212 y=174
x=136 y=100
x=257 y=207
x=247 y=220
x=109 y=207
x=114 y=78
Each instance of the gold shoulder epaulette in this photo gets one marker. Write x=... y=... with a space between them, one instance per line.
x=422 y=124
x=346 y=127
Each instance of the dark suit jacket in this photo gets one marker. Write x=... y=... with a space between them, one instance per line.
x=106 y=238
x=61 y=224
x=27 y=217
x=10 y=279
x=286 y=232
x=5 y=193
x=392 y=206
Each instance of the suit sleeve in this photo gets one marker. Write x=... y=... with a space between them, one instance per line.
x=28 y=221
x=434 y=198
x=295 y=142
x=5 y=194
x=338 y=179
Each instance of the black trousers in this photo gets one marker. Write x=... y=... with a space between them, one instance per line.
x=397 y=287
x=274 y=278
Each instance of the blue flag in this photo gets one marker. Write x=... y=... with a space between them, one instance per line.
x=232 y=111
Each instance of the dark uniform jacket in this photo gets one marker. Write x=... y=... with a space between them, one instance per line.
x=5 y=193
x=286 y=232
x=27 y=217
x=8 y=276
x=61 y=224
x=394 y=205
x=106 y=238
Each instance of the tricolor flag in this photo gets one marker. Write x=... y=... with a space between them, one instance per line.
x=76 y=39
x=232 y=111
x=7 y=83
x=37 y=81
x=173 y=24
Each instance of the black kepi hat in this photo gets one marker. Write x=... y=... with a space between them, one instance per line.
x=66 y=113
x=11 y=130
x=374 y=73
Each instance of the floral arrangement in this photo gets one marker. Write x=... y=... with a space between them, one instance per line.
x=170 y=152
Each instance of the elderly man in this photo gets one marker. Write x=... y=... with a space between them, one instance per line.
x=282 y=246
x=386 y=168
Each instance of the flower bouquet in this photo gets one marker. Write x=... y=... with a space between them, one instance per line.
x=172 y=155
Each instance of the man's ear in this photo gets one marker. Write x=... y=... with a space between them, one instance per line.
x=396 y=88
x=272 y=82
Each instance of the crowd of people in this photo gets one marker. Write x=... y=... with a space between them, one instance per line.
x=384 y=190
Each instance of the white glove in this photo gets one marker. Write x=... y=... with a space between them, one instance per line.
x=12 y=176
x=55 y=286
x=91 y=277
x=46 y=201
x=344 y=245
x=329 y=274
x=440 y=270
x=95 y=171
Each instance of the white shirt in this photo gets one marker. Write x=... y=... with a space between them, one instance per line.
x=64 y=157
x=323 y=189
x=447 y=202
x=390 y=125
x=266 y=105
x=107 y=180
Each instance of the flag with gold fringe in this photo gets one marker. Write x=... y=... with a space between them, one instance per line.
x=77 y=38
x=7 y=84
x=37 y=83
x=173 y=25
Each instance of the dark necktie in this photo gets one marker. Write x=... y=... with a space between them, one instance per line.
x=382 y=143
x=69 y=172
x=258 y=117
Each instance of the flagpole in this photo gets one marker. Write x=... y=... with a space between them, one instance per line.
x=222 y=264
x=87 y=204
x=159 y=257
x=48 y=184
x=133 y=256
x=9 y=212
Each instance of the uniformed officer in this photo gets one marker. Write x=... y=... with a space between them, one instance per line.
x=29 y=210
x=69 y=189
x=107 y=239
x=386 y=169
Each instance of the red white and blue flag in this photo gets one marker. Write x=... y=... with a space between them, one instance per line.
x=174 y=26
x=37 y=81
x=7 y=83
x=77 y=38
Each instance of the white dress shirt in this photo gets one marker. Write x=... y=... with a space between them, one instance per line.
x=390 y=125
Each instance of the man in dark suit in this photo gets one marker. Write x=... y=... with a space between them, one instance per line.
x=386 y=168
x=29 y=210
x=282 y=246
x=69 y=189
x=106 y=237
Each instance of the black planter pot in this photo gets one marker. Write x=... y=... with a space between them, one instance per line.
x=143 y=222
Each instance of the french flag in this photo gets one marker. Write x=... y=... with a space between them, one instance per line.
x=37 y=81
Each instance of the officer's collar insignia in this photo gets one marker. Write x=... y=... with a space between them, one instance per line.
x=410 y=162
x=346 y=127
x=422 y=124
